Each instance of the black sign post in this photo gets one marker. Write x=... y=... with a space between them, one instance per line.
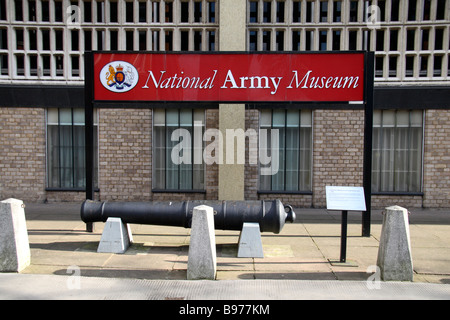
x=89 y=129
x=368 y=129
x=344 y=223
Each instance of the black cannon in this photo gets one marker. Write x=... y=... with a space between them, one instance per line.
x=228 y=215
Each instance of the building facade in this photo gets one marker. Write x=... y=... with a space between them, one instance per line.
x=42 y=45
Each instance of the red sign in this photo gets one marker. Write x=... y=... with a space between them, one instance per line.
x=229 y=77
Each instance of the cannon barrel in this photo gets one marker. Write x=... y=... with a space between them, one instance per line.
x=228 y=215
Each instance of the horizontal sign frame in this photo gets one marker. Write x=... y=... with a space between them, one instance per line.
x=227 y=77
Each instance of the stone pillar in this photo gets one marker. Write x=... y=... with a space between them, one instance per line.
x=232 y=37
x=394 y=252
x=202 y=261
x=231 y=175
x=232 y=25
x=14 y=245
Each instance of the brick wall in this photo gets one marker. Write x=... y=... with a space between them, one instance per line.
x=22 y=156
x=405 y=201
x=436 y=182
x=251 y=170
x=212 y=171
x=125 y=158
x=125 y=144
x=337 y=150
x=67 y=196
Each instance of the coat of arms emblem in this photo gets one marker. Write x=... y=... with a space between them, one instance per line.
x=119 y=76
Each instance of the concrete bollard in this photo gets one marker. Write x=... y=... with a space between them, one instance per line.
x=394 y=252
x=14 y=245
x=202 y=248
x=116 y=237
x=250 y=243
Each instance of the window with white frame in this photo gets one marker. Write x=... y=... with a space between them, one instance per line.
x=66 y=148
x=292 y=169
x=410 y=37
x=397 y=151
x=45 y=40
x=177 y=157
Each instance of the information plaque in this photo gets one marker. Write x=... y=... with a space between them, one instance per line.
x=345 y=198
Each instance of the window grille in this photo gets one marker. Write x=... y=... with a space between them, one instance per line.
x=397 y=151
x=293 y=170
x=43 y=41
x=410 y=37
x=65 y=149
x=178 y=163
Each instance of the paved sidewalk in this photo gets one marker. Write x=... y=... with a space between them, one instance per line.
x=43 y=287
x=60 y=247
